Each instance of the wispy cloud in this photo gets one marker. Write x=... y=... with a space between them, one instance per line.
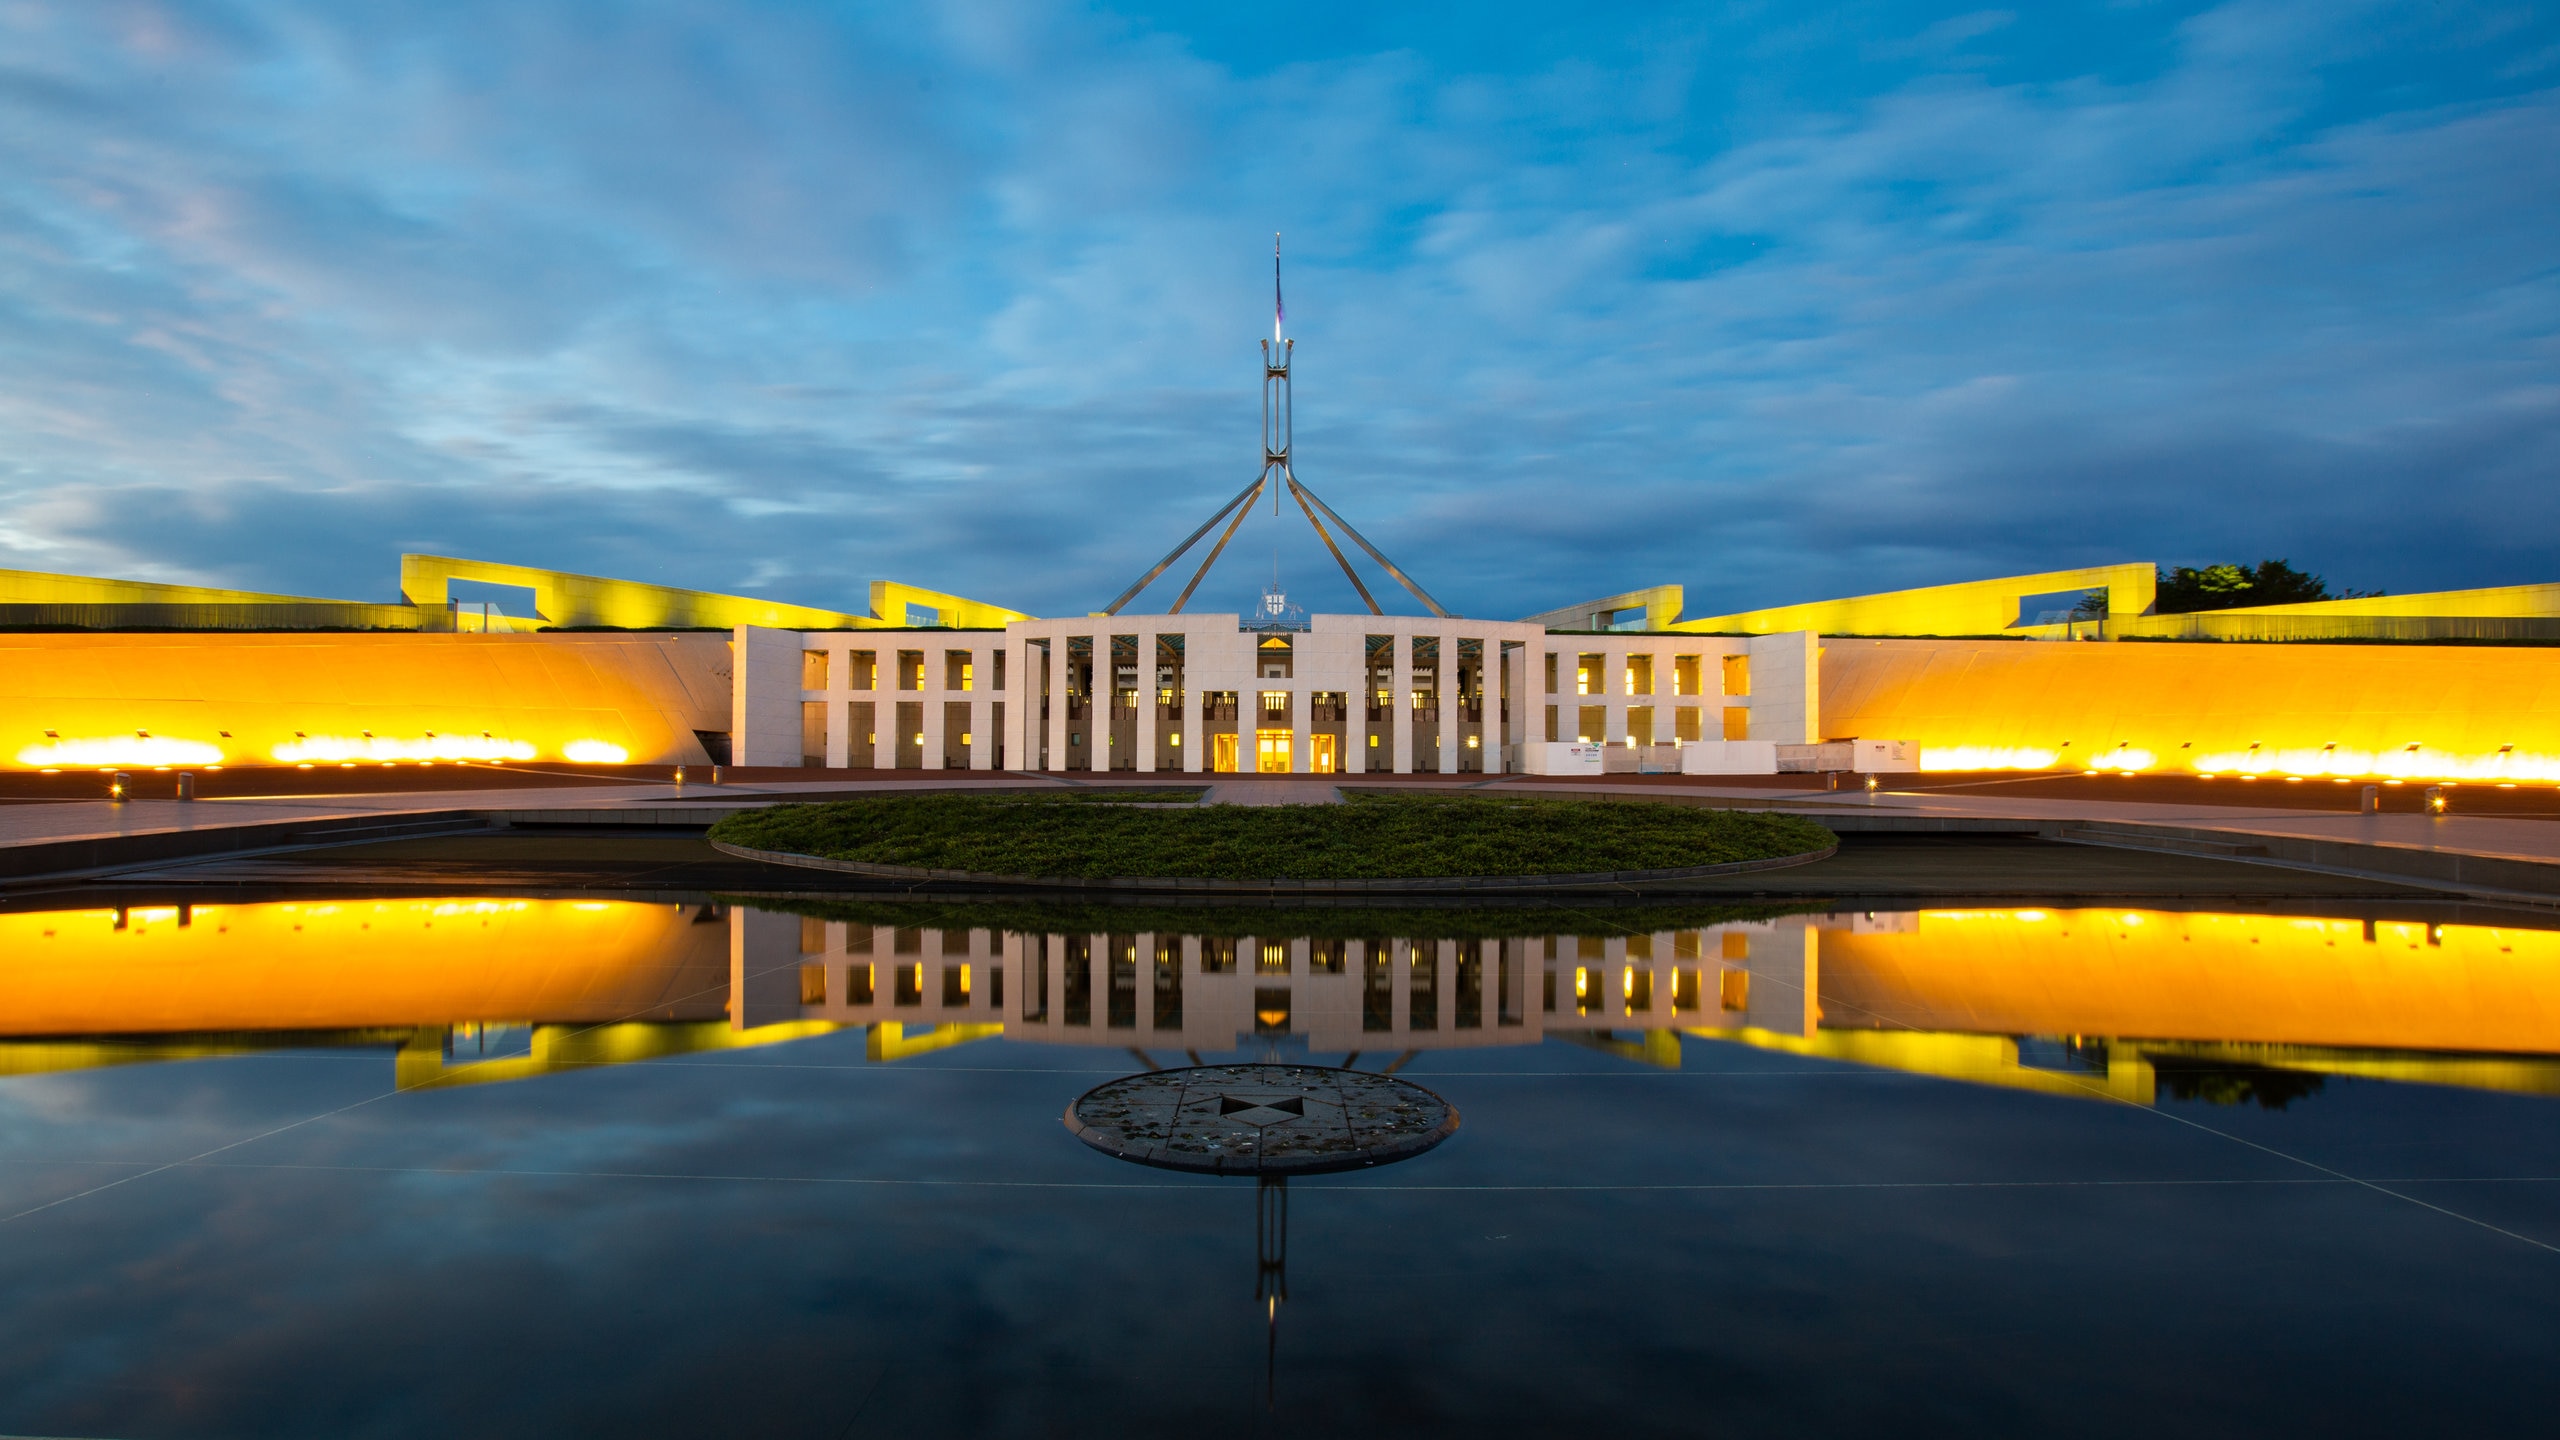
x=790 y=297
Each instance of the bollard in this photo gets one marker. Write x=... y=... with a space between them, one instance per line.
x=715 y=774
x=2435 y=799
x=679 y=777
x=186 y=784
x=1871 y=784
x=120 y=787
x=2371 y=804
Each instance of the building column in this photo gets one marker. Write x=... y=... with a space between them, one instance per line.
x=839 y=716
x=1399 y=746
x=1195 y=711
x=1448 y=683
x=1021 y=721
x=1146 y=703
x=1613 y=686
x=1300 y=726
x=936 y=662
x=1057 y=697
x=982 y=714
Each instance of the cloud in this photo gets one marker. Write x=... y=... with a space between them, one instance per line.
x=791 y=297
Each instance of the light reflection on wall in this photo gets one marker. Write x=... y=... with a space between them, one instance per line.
x=329 y=749
x=112 y=751
x=357 y=964
x=2408 y=712
x=2165 y=975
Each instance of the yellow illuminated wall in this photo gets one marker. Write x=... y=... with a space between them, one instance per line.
x=564 y=599
x=2476 y=713
x=2231 y=979
x=356 y=965
x=1976 y=607
x=311 y=698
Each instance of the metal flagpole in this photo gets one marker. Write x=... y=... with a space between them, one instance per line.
x=1278 y=439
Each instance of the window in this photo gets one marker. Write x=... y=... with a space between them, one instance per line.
x=813 y=669
x=910 y=669
x=1686 y=724
x=1639 y=674
x=1734 y=945
x=1737 y=722
x=857 y=984
x=1684 y=988
x=955 y=986
x=864 y=670
x=813 y=984
x=1684 y=674
x=813 y=732
x=1639 y=988
x=1733 y=991
x=813 y=936
x=909 y=989
x=1737 y=674
x=1590 y=676
x=959 y=670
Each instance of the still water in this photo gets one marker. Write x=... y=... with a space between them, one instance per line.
x=513 y=1165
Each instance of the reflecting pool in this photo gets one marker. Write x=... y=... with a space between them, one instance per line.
x=565 y=1165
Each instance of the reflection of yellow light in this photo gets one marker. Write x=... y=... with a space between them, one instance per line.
x=346 y=749
x=2124 y=760
x=596 y=752
x=2031 y=916
x=1581 y=983
x=121 y=750
x=1986 y=757
x=1628 y=982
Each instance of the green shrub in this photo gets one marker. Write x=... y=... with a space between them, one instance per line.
x=1368 y=837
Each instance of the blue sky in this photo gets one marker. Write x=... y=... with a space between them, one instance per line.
x=1775 y=301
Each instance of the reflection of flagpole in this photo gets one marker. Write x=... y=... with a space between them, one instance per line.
x=1271 y=1272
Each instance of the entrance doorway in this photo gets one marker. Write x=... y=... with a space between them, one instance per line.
x=1271 y=751
x=1324 y=754
x=1222 y=753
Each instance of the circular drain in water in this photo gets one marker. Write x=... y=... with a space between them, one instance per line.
x=1261 y=1119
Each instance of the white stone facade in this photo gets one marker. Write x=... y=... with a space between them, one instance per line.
x=1194 y=694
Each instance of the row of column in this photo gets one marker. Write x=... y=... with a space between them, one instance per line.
x=1393 y=754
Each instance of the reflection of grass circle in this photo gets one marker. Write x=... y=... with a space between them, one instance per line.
x=1367 y=838
x=1261 y=1119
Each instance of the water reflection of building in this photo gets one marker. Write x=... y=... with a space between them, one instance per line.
x=2076 y=1002
x=2085 y=1002
x=1196 y=992
x=462 y=989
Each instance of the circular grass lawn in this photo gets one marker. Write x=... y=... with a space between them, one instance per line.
x=1367 y=837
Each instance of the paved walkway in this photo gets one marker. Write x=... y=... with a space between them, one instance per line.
x=2475 y=854
x=1273 y=792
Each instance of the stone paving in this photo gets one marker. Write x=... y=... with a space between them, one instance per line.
x=2388 y=844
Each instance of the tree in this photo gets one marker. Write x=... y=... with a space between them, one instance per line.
x=2223 y=587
